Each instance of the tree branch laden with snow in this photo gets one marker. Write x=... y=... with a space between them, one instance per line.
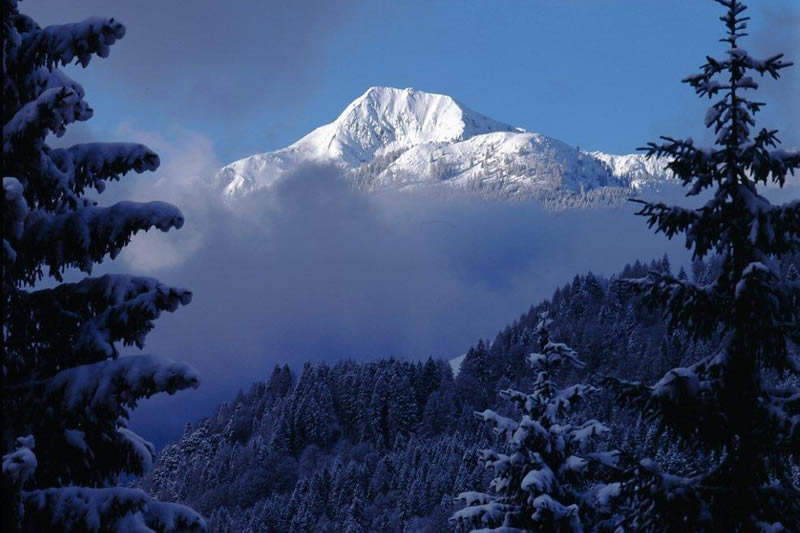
x=66 y=391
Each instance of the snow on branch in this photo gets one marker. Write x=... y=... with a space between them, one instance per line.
x=166 y=517
x=744 y=61
x=43 y=79
x=540 y=480
x=83 y=510
x=531 y=433
x=83 y=321
x=102 y=311
x=60 y=44
x=108 y=387
x=85 y=236
x=501 y=424
x=583 y=434
x=737 y=62
x=567 y=398
x=67 y=172
x=15 y=209
x=667 y=219
x=51 y=111
x=553 y=355
x=765 y=163
x=548 y=510
x=525 y=402
x=140 y=452
x=678 y=385
x=702 y=82
x=20 y=464
x=89 y=164
x=487 y=513
x=472 y=497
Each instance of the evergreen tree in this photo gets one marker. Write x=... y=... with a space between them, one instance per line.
x=474 y=376
x=354 y=520
x=546 y=481
x=280 y=383
x=792 y=275
x=727 y=402
x=66 y=393
x=379 y=424
x=403 y=411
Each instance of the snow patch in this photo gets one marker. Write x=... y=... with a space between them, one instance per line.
x=455 y=364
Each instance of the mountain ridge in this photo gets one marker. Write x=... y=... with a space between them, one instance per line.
x=406 y=139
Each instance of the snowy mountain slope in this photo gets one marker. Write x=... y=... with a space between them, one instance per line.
x=407 y=139
x=638 y=171
x=515 y=164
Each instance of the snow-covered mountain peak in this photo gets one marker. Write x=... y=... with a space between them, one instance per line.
x=384 y=120
x=404 y=139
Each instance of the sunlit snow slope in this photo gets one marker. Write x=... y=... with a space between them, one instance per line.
x=407 y=139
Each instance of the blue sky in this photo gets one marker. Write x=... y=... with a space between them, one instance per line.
x=256 y=76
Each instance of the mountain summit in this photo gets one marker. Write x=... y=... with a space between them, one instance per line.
x=385 y=120
x=408 y=139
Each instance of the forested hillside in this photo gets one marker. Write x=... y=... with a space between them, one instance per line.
x=386 y=446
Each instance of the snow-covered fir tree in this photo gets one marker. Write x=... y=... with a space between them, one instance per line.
x=66 y=392
x=549 y=477
x=732 y=403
